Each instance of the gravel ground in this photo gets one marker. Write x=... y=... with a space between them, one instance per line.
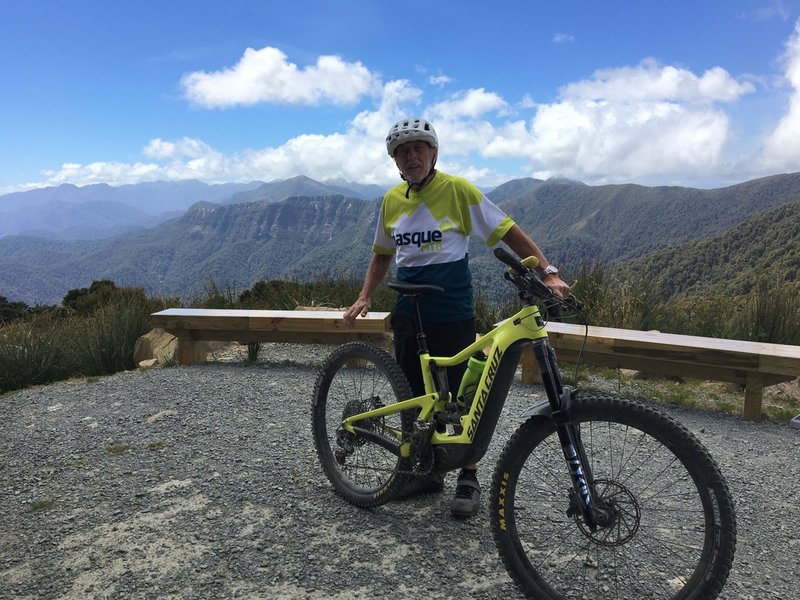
x=202 y=482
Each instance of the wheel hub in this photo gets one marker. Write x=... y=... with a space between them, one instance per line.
x=618 y=511
x=348 y=441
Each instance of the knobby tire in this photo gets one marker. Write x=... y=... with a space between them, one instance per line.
x=356 y=377
x=674 y=533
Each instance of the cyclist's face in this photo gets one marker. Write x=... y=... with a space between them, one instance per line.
x=415 y=160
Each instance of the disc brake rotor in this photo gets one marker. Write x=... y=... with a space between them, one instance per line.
x=622 y=508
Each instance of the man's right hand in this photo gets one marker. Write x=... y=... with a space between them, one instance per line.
x=359 y=308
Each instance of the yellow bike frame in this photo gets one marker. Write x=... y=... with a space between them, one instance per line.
x=525 y=326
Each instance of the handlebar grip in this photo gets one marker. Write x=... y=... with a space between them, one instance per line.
x=512 y=261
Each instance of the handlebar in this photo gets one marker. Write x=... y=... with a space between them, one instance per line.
x=512 y=261
x=526 y=279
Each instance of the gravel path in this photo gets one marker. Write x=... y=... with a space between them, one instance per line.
x=202 y=482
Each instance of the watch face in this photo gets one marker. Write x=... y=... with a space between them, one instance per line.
x=550 y=270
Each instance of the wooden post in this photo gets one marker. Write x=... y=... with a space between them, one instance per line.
x=530 y=370
x=753 y=391
x=185 y=348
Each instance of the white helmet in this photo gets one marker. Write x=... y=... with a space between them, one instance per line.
x=409 y=130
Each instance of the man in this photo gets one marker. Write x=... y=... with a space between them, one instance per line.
x=425 y=224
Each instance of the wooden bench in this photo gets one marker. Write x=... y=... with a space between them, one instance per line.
x=750 y=363
x=192 y=325
x=753 y=364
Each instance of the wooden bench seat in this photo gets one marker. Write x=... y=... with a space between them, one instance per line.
x=190 y=325
x=752 y=364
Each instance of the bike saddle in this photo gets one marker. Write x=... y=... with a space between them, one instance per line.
x=413 y=289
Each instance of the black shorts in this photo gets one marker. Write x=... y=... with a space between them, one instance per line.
x=444 y=339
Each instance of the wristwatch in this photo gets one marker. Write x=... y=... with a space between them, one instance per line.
x=550 y=270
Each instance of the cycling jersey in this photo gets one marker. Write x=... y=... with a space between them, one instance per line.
x=428 y=234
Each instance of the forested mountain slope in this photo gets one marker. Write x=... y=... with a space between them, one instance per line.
x=764 y=248
x=238 y=243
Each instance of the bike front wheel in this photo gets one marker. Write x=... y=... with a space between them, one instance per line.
x=672 y=528
x=357 y=377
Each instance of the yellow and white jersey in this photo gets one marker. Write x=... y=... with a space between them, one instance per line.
x=428 y=233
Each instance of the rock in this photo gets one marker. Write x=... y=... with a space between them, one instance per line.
x=789 y=389
x=156 y=344
x=160 y=416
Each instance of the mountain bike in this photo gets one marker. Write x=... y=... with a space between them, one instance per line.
x=592 y=497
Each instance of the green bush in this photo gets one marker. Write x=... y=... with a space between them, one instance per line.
x=608 y=302
x=215 y=297
x=768 y=314
x=103 y=342
x=98 y=338
x=32 y=353
x=11 y=311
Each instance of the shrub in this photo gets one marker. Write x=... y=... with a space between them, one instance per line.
x=768 y=314
x=103 y=342
x=287 y=295
x=11 y=311
x=32 y=353
x=610 y=303
x=97 y=339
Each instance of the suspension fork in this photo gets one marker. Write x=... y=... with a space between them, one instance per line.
x=569 y=434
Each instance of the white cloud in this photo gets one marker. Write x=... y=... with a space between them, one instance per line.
x=632 y=123
x=777 y=9
x=182 y=148
x=563 y=38
x=782 y=146
x=113 y=173
x=593 y=139
x=439 y=80
x=357 y=154
x=266 y=75
x=470 y=103
x=654 y=82
x=648 y=123
x=593 y=132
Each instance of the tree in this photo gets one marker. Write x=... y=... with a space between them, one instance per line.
x=85 y=300
x=11 y=311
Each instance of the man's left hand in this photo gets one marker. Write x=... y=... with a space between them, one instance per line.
x=559 y=287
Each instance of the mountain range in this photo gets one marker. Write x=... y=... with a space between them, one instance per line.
x=101 y=211
x=686 y=240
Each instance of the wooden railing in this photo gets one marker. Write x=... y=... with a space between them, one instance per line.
x=752 y=364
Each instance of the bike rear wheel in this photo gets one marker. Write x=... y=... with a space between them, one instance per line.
x=673 y=529
x=355 y=378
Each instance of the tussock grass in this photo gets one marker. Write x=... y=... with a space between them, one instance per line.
x=96 y=338
x=769 y=313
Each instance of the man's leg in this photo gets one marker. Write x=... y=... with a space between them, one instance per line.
x=446 y=339
x=405 y=353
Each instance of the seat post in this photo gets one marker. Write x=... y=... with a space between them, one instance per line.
x=422 y=340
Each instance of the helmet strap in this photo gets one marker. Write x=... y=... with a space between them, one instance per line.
x=421 y=184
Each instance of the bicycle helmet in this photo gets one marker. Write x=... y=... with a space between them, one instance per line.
x=409 y=130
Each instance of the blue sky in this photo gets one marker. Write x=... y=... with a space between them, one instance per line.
x=659 y=93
